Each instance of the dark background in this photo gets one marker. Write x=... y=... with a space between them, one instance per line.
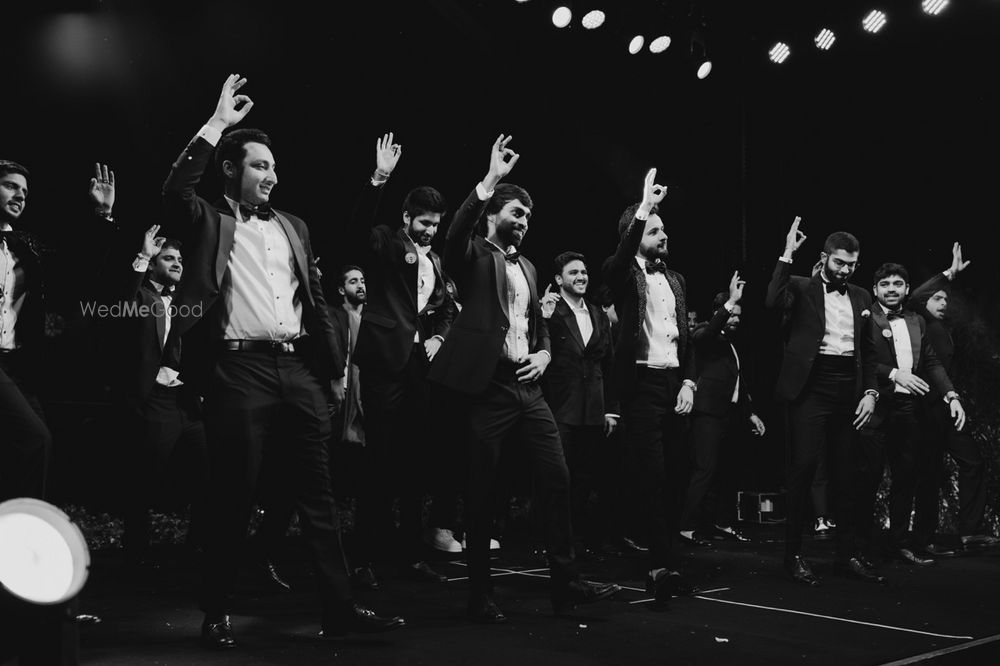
x=893 y=137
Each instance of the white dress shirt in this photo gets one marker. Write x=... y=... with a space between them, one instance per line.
x=660 y=323
x=838 y=339
x=902 y=344
x=12 y=293
x=426 y=280
x=583 y=321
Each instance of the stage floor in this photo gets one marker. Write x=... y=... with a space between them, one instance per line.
x=747 y=612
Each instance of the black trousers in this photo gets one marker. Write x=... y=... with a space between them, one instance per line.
x=896 y=440
x=257 y=406
x=821 y=420
x=165 y=447
x=508 y=406
x=711 y=490
x=584 y=449
x=398 y=456
x=939 y=437
x=655 y=436
x=26 y=442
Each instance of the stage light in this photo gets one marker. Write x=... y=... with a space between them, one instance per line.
x=660 y=44
x=43 y=556
x=635 y=45
x=825 y=39
x=874 y=21
x=698 y=55
x=779 y=53
x=561 y=17
x=593 y=19
x=704 y=69
x=933 y=7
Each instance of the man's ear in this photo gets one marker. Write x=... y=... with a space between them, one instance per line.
x=406 y=218
x=559 y=281
x=228 y=168
x=341 y=291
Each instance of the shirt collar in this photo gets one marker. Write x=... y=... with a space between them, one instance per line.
x=157 y=285
x=507 y=251
x=5 y=226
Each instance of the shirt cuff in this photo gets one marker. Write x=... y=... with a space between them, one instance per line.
x=210 y=134
x=441 y=338
x=614 y=416
x=482 y=193
x=546 y=352
x=782 y=258
x=140 y=265
x=892 y=374
x=640 y=214
x=729 y=307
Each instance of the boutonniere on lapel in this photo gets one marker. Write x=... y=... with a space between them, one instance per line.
x=866 y=313
x=410 y=258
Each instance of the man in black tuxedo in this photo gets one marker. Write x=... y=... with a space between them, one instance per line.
x=899 y=354
x=496 y=353
x=930 y=301
x=722 y=406
x=821 y=380
x=654 y=374
x=162 y=436
x=405 y=320
x=259 y=342
x=577 y=385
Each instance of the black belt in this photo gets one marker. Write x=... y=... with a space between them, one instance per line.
x=259 y=346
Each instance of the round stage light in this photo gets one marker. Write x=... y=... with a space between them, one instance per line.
x=933 y=7
x=561 y=17
x=660 y=44
x=635 y=45
x=779 y=53
x=43 y=556
x=874 y=21
x=704 y=69
x=593 y=19
x=824 y=39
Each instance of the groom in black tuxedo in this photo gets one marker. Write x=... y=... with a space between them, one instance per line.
x=259 y=342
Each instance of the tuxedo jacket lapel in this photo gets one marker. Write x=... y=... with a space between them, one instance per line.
x=882 y=324
x=816 y=296
x=227 y=232
x=298 y=251
x=566 y=312
x=913 y=328
x=500 y=269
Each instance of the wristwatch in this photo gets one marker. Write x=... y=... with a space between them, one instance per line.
x=949 y=396
x=873 y=393
x=690 y=384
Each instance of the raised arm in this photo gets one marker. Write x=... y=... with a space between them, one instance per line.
x=364 y=228
x=179 y=196
x=718 y=321
x=617 y=270
x=459 y=237
x=779 y=295
x=918 y=297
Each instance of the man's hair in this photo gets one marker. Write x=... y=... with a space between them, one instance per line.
x=8 y=167
x=424 y=200
x=889 y=269
x=719 y=300
x=629 y=214
x=841 y=240
x=565 y=258
x=171 y=243
x=232 y=145
x=347 y=268
x=502 y=195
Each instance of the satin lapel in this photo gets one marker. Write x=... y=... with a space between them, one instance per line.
x=500 y=270
x=856 y=312
x=161 y=324
x=680 y=312
x=818 y=301
x=595 y=322
x=532 y=279
x=413 y=270
x=566 y=312
x=227 y=232
x=882 y=323
x=913 y=328
x=640 y=285
x=298 y=251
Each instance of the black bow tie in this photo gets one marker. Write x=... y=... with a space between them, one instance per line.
x=512 y=257
x=654 y=266
x=840 y=289
x=894 y=314
x=261 y=210
x=167 y=290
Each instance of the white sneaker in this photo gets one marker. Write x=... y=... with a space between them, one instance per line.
x=443 y=540
x=494 y=544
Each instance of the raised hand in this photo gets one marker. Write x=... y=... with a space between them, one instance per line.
x=736 y=288
x=502 y=161
x=957 y=265
x=102 y=188
x=652 y=192
x=151 y=243
x=794 y=239
x=548 y=301
x=387 y=155
x=226 y=114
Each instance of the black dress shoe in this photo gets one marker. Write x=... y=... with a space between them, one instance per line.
x=634 y=545
x=937 y=550
x=668 y=584
x=800 y=570
x=911 y=557
x=272 y=576
x=217 y=633
x=979 y=541
x=483 y=609
x=359 y=620
x=422 y=571
x=575 y=592
x=694 y=540
x=858 y=567
x=364 y=577
x=729 y=534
